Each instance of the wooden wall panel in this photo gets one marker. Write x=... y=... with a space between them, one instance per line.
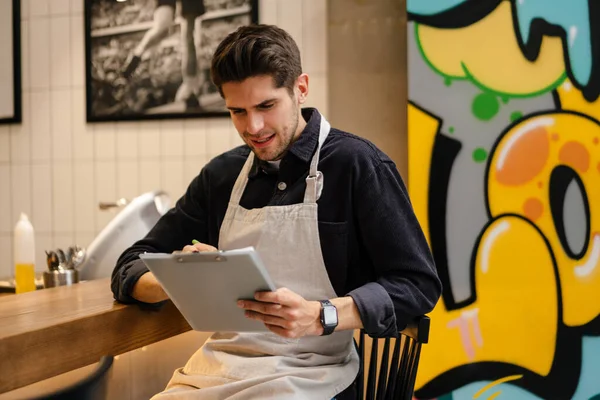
x=367 y=72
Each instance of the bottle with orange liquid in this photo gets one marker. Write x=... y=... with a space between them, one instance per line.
x=24 y=255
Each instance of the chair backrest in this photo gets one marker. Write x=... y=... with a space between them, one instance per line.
x=395 y=379
x=92 y=387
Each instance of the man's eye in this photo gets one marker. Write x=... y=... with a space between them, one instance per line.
x=266 y=106
x=237 y=112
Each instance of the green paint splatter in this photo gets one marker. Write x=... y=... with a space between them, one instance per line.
x=505 y=99
x=515 y=115
x=485 y=106
x=447 y=81
x=447 y=396
x=451 y=129
x=479 y=155
x=595 y=397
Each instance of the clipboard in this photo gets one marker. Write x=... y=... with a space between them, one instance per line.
x=205 y=286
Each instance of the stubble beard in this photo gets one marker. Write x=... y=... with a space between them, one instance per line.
x=288 y=135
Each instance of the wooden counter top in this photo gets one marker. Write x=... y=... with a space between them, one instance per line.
x=52 y=331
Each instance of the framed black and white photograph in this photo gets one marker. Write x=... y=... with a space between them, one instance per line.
x=10 y=61
x=150 y=59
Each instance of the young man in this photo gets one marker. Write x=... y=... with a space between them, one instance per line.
x=329 y=215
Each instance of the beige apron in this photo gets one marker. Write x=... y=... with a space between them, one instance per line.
x=265 y=365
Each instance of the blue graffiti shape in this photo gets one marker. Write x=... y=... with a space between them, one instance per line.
x=449 y=13
x=572 y=20
x=432 y=7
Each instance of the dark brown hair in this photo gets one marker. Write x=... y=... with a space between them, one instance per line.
x=255 y=50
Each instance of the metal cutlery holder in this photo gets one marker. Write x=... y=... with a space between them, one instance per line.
x=60 y=277
x=62 y=267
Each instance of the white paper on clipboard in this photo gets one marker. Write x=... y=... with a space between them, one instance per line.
x=205 y=286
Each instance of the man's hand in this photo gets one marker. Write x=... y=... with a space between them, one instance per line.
x=285 y=313
x=197 y=247
x=148 y=290
x=289 y=315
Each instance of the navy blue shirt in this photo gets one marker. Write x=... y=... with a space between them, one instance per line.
x=373 y=247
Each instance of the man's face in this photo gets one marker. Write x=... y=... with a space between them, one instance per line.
x=267 y=118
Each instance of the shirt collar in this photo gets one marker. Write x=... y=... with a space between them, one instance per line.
x=303 y=148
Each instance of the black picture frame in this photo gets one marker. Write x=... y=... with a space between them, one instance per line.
x=16 y=115
x=113 y=93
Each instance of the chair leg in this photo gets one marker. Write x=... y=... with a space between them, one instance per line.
x=372 y=371
x=360 y=384
x=399 y=392
x=393 y=380
x=383 y=370
x=413 y=370
x=411 y=359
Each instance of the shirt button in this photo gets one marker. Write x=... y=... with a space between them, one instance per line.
x=281 y=186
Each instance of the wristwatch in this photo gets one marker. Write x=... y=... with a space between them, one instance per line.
x=329 y=317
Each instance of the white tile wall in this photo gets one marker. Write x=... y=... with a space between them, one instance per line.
x=105 y=176
x=41 y=197
x=38 y=8
x=60 y=116
x=63 y=197
x=40 y=126
x=84 y=194
x=20 y=188
x=4 y=144
x=20 y=149
x=171 y=138
x=149 y=140
x=39 y=49
x=60 y=50
x=194 y=137
x=127 y=140
x=5 y=212
x=58 y=7
x=56 y=167
x=128 y=178
x=5 y=250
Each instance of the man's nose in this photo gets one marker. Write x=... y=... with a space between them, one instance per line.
x=255 y=124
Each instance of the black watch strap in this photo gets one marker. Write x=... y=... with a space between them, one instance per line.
x=327 y=328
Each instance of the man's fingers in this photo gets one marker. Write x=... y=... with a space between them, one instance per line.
x=198 y=248
x=261 y=307
x=204 y=247
x=282 y=296
x=189 y=249
x=271 y=320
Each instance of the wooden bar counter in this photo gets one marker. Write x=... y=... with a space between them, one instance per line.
x=51 y=331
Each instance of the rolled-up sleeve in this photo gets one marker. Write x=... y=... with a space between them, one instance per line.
x=124 y=279
x=375 y=308
x=407 y=284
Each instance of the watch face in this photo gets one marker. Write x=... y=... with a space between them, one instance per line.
x=330 y=316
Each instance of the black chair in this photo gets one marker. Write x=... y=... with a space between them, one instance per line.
x=92 y=387
x=393 y=380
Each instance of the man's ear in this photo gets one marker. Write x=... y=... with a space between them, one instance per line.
x=302 y=86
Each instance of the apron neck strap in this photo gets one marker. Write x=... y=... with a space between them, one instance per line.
x=242 y=180
x=314 y=181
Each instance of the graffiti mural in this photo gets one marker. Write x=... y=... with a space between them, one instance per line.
x=504 y=175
